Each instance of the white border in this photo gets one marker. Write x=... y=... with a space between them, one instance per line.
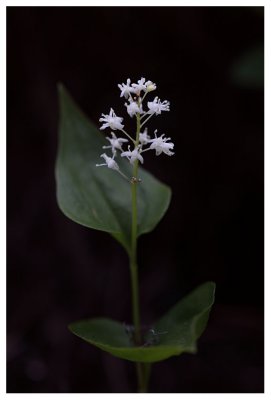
x=19 y=3
x=267 y=49
x=3 y=194
x=140 y=3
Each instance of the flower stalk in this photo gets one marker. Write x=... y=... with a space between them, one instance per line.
x=141 y=370
x=133 y=256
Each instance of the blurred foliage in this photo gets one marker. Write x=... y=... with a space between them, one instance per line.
x=248 y=70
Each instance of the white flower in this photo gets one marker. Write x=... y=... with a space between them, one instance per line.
x=126 y=89
x=155 y=106
x=109 y=162
x=111 y=120
x=160 y=145
x=133 y=108
x=135 y=94
x=140 y=85
x=133 y=155
x=150 y=86
x=144 y=138
x=115 y=143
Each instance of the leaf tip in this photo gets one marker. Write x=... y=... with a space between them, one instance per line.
x=61 y=90
x=193 y=349
x=213 y=286
x=60 y=87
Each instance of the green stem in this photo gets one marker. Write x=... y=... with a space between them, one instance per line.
x=141 y=370
x=133 y=262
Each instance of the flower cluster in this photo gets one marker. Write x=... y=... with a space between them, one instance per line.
x=135 y=94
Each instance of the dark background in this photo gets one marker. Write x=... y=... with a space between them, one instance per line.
x=209 y=63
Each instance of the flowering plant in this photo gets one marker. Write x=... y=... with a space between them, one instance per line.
x=126 y=201
x=142 y=139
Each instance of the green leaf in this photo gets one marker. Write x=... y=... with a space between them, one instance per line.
x=100 y=198
x=248 y=70
x=175 y=333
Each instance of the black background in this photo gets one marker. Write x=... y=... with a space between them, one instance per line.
x=59 y=272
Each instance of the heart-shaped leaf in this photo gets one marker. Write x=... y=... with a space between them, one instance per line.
x=175 y=333
x=98 y=197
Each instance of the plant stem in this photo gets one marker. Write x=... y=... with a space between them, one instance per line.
x=133 y=261
x=141 y=370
